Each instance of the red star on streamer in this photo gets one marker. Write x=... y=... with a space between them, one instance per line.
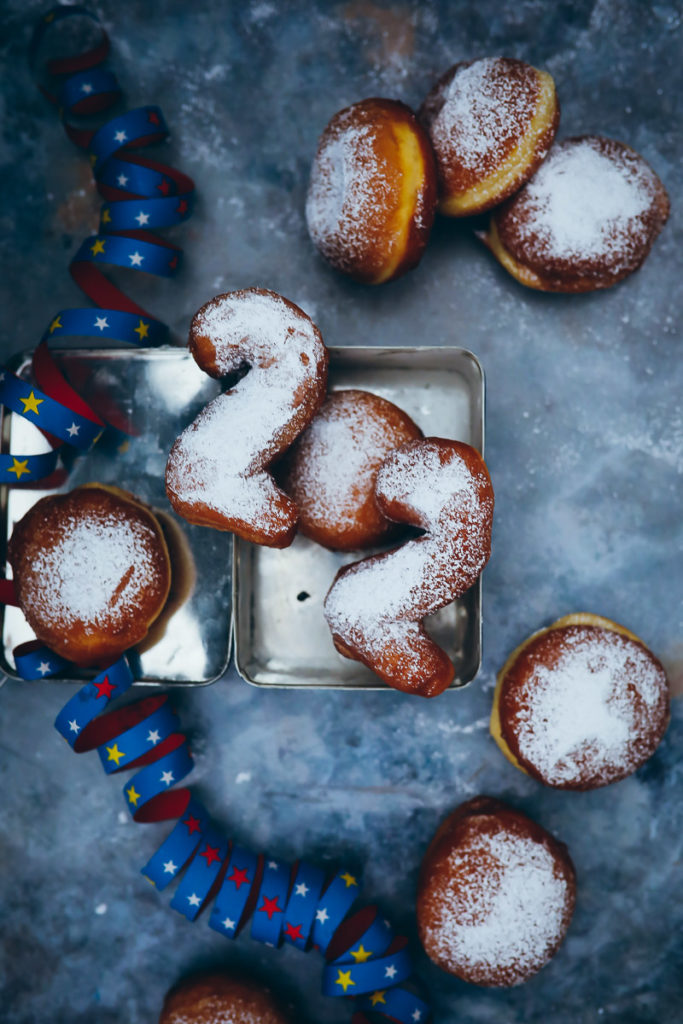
x=164 y=187
x=182 y=206
x=153 y=117
x=239 y=877
x=173 y=263
x=270 y=907
x=211 y=854
x=293 y=933
x=105 y=688
x=192 y=824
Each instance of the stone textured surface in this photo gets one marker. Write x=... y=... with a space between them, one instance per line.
x=585 y=447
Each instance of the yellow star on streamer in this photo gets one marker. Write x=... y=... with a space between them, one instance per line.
x=20 y=467
x=31 y=403
x=133 y=797
x=344 y=979
x=55 y=324
x=360 y=955
x=93 y=159
x=378 y=997
x=142 y=329
x=114 y=754
x=97 y=247
x=349 y=879
x=106 y=216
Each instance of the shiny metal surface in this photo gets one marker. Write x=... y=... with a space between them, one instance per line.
x=151 y=394
x=281 y=637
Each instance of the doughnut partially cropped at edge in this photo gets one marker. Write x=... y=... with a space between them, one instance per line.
x=91 y=572
x=221 y=999
x=586 y=220
x=372 y=193
x=496 y=894
x=581 y=704
x=491 y=123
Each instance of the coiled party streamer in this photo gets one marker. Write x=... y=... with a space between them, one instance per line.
x=286 y=903
x=139 y=194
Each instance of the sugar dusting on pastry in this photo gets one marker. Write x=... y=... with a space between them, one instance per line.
x=376 y=606
x=93 y=573
x=587 y=200
x=501 y=909
x=220 y=461
x=590 y=714
x=331 y=470
x=485 y=108
x=347 y=176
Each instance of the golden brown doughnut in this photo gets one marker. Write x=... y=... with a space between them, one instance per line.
x=495 y=895
x=580 y=704
x=218 y=471
x=372 y=194
x=491 y=123
x=376 y=607
x=91 y=572
x=330 y=471
x=586 y=220
x=220 y=999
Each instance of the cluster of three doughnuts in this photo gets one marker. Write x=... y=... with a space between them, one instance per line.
x=579 y=220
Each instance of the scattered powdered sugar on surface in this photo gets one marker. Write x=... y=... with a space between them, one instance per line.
x=94 y=573
x=591 y=713
x=348 y=179
x=485 y=108
x=378 y=604
x=218 y=460
x=505 y=909
x=586 y=202
x=336 y=460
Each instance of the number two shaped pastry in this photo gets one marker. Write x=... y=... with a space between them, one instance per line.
x=218 y=469
x=376 y=607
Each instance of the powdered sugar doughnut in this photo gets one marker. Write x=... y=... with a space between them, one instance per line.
x=491 y=123
x=372 y=193
x=330 y=471
x=495 y=896
x=581 y=704
x=220 y=999
x=586 y=220
x=91 y=572
x=218 y=469
x=376 y=607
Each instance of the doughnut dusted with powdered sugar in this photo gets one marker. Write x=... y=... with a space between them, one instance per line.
x=581 y=704
x=376 y=607
x=91 y=571
x=331 y=469
x=491 y=123
x=586 y=220
x=218 y=470
x=372 y=193
x=495 y=896
x=221 y=999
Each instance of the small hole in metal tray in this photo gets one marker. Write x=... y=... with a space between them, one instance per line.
x=302 y=596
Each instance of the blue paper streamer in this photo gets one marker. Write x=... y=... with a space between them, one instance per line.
x=139 y=195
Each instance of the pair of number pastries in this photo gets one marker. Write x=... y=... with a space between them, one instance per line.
x=572 y=216
x=350 y=470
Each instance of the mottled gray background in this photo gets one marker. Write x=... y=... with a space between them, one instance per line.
x=585 y=446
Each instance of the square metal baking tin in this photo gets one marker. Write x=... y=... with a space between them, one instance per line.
x=152 y=394
x=281 y=637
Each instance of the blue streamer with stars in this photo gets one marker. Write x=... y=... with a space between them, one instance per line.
x=286 y=902
x=139 y=194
